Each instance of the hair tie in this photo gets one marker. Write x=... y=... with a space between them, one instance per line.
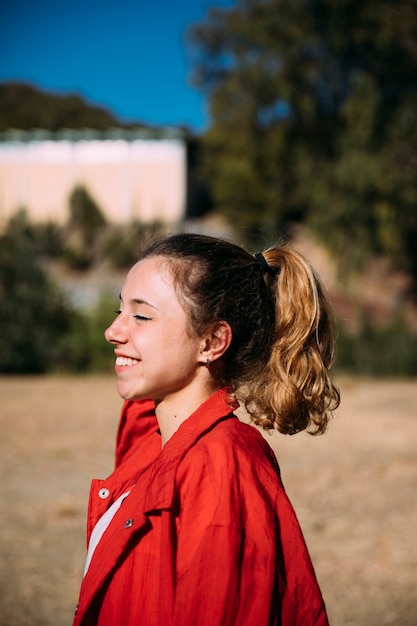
x=263 y=264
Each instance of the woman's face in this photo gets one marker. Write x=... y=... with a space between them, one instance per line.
x=157 y=355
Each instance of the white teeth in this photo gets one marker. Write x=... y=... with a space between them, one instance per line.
x=125 y=362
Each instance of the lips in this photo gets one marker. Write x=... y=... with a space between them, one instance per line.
x=123 y=361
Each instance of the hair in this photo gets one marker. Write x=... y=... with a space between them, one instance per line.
x=283 y=332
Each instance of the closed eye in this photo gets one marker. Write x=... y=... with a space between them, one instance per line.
x=136 y=316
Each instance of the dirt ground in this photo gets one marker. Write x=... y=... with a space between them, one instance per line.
x=354 y=489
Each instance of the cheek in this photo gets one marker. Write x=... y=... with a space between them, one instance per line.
x=180 y=346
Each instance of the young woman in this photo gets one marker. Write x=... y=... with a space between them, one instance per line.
x=194 y=528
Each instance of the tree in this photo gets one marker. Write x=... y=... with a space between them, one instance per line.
x=24 y=106
x=314 y=118
x=85 y=214
x=86 y=220
x=37 y=324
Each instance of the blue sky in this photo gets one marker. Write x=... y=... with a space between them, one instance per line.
x=126 y=55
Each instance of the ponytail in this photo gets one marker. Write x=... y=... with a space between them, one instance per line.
x=296 y=391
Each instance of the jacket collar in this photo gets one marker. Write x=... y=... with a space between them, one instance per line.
x=162 y=473
x=160 y=463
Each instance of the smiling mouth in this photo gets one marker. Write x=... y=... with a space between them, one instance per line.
x=126 y=362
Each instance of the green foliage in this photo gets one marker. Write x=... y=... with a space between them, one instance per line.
x=25 y=107
x=372 y=351
x=48 y=239
x=120 y=247
x=123 y=243
x=314 y=118
x=41 y=331
x=76 y=258
x=34 y=316
x=101 y=356
x=85 y=214
x=86 y=222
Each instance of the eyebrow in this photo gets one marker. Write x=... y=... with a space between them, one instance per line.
x=139 y=301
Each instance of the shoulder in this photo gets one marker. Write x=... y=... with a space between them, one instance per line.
x=237 y=442
x=235 y=456
x=230 y=478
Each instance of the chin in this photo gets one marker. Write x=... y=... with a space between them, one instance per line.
x=128 y=393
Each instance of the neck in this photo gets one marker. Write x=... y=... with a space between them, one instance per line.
x=173 y=410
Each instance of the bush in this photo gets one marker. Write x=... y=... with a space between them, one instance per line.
x=48 y=238
x=85 y=215
x=124 y=243
x=77 y=259
x=390 y=350
x=41 y=331
x=119 y=249
x=101 y=356
x=34 y=316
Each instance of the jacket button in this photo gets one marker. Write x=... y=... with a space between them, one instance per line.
x=103 y=493
x=129 y=522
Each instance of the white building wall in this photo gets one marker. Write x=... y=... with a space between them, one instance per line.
x=143 y=179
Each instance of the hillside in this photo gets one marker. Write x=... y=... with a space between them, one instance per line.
x=24 y=106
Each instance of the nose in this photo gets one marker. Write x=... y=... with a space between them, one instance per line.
x=116 y=332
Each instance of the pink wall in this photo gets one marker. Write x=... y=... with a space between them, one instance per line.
x=141 y=179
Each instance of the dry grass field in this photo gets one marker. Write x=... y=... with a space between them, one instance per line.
x=354 y=489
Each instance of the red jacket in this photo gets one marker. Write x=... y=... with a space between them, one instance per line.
x=207 y=536
x=137 y=422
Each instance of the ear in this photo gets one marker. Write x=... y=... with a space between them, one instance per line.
x=215 y=343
